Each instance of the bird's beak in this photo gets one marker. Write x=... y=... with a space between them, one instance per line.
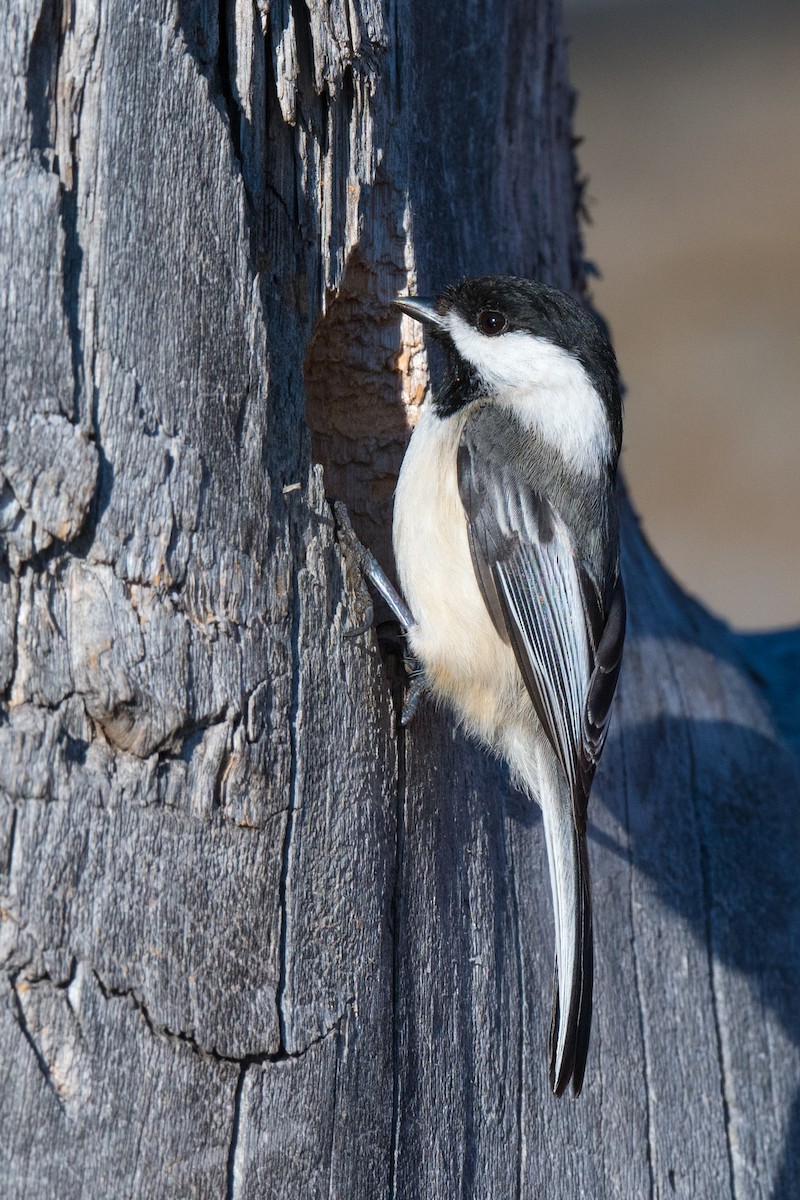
x=423 y=311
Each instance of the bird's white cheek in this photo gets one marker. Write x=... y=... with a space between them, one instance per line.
x=545 y=387
x=570 y=416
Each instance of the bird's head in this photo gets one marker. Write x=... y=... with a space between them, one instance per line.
x=529 y=346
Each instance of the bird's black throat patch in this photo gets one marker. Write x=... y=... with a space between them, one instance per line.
x=460 y=386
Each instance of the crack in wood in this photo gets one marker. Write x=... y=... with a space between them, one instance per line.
x=22 y=1021
x=54 y=98
x=283 y=898
x=21 y=975
x=226 y=70
x=233 y=1148
x=46 y=48
x=12 y=838
x=72 y=267
x=11 y=581
x=332 y=1139
x=640 y=1009
x=397 y=940
x=180 y=1037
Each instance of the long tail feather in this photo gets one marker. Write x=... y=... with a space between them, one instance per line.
x=574 y=956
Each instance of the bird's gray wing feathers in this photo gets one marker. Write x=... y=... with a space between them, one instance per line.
x=568 y=644
x=607 y=660
x=567 y=641
x=540 y=597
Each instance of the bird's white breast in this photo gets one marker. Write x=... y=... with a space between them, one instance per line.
x=466 y=660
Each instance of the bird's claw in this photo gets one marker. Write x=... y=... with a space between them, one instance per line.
x=417 y=687
x=392 y=640
x=365 y=626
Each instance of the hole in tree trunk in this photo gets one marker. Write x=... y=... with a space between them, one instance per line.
x=362 y=385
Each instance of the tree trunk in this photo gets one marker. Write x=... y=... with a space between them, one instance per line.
x=255 y=941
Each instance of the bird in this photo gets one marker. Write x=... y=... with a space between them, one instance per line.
x=506 y=543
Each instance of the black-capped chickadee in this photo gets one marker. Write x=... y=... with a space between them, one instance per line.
x=507 y=549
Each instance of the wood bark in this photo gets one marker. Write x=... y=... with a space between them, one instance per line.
x=255 y=941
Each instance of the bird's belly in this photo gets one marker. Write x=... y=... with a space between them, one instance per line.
x=466 y=661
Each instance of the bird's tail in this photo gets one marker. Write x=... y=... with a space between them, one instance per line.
x=572 y=910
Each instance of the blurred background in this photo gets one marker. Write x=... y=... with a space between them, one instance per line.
x=690 y=115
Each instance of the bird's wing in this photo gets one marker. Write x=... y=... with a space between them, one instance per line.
x=569 y=648
x=542 y=599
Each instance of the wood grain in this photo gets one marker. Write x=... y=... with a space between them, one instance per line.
x=255 y=942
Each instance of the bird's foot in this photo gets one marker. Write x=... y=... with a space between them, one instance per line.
x=392 y=640
x=417 y=688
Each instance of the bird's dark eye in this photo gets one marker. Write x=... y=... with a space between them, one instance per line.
x=491 y=322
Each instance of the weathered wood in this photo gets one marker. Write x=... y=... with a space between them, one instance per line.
x=255 y=942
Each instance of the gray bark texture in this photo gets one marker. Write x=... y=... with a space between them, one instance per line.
x=255 y=942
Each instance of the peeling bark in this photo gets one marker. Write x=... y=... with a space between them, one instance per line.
x=254 y=940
